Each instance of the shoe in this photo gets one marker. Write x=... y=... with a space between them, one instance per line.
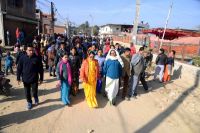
x=29 y=106
x=54 y=75
x=50 y=75
x=68 y=105
x=135 y=94
x=104 y=94
x=114 y=102
x=36 y=101
x=128 y=99
x=123 y=98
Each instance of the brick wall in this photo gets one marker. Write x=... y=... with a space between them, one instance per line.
x=59 y=29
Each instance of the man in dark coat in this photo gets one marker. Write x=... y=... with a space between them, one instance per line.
x=29 y=68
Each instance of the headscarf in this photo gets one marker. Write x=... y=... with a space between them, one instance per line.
x=114 y=58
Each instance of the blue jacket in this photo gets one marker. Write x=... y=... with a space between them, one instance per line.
x=112 y=69
x=8 y=61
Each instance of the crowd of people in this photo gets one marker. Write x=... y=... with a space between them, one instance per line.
x=101 y=66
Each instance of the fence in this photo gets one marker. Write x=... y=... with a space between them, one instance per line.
x=184 y=52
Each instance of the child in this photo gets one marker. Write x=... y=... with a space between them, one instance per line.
x=8 y=63
x=64 y=75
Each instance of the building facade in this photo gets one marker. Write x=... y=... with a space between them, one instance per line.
x=60 y=29
x=18 y=14
x=45 y=24
x=119 y=29
x=110 y=29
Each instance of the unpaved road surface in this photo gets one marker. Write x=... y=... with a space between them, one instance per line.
x=169 y=108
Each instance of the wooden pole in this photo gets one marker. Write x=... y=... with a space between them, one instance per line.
x=167 y=20
x=136 y=21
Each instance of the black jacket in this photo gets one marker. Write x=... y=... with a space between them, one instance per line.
x=18 y=55
x=161 y=59
x=30 y=68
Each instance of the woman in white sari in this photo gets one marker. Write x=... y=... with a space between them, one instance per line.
x=113 y=71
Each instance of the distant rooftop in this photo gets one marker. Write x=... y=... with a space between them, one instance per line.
x=140 y=25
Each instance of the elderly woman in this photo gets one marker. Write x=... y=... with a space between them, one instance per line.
x=113 y=71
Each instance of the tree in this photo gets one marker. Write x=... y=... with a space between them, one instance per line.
x=95 y=30
x=84 y=28
x=87 y=25
x=198 y=28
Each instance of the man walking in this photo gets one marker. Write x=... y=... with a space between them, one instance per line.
x=30 y=67
x=161 y=61
x=138 y=67
x=126 y=58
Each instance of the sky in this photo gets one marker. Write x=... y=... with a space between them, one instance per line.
x=185 y=13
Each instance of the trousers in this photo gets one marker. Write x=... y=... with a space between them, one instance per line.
x=28 y=87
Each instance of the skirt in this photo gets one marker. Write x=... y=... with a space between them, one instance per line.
x=112 y=88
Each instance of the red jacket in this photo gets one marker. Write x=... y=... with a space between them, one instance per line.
x=133 y=50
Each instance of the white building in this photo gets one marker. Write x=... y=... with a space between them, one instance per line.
x=117 y=29
x=110 y=29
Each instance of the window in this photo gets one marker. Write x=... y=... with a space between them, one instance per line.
x=15 y=3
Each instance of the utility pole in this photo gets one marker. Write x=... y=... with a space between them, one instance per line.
x=167 y=20
x=2 y=37
x=38 y=26
x=136 y=21
x=39 y=20
x=52 y=17
x=67 y=27
x=92 y=24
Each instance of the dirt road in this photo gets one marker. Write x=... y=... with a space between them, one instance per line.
x=174 y=107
